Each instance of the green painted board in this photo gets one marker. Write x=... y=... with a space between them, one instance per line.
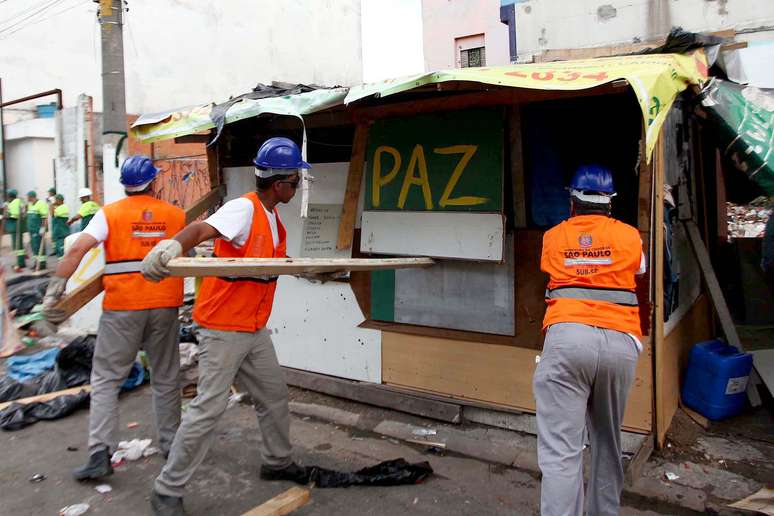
x=383 y=295
x=437 y=162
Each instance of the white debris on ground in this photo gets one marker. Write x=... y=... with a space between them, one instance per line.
x=748 y=221
x=133 y=450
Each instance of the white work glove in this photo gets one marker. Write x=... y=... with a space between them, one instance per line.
x=56 y=287
x=154 y=265
x=42 y=231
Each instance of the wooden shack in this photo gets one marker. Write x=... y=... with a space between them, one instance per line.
x=470 y=167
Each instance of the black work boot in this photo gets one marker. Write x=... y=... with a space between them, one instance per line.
x=98 y=466
x=162 y=505
x=292 y=472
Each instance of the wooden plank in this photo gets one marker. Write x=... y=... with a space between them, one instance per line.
x=352 y=193
x=693 y=327
x=517 y=167
x=213 y=162
x=486 y=373
x=47 y=396
x=712 y=284
x=205 y=203
x=470 y=236
x=283 y=503
x=196 y=267
x=697 y=418
x=79 y=297
x=492 y=97
x=634 y=469
x=445 y=333
x=663 y=417
x=374 y=394
x=530 y=283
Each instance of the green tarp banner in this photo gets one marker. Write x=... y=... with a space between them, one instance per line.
x=744 y=118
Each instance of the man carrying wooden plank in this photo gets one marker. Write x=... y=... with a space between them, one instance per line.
x=137 y=313
x=234 y=343
x=590 y=353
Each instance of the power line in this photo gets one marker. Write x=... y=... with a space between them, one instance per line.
x=32 y=12
x=53 y=15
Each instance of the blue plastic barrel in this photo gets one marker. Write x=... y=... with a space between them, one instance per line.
x=716 y=379
x=46 y=110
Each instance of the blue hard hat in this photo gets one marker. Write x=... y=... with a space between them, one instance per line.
x=280 y=153
x=137 y=171
x=593 y=178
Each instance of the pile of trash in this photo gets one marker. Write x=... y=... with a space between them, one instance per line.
x=48 y=371
x=748 y=221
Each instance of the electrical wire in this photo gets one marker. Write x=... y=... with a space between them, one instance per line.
x=52 y=15
x=25 y=15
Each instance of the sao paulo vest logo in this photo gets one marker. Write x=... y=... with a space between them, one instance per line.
x=585 y=240
x=147 y=215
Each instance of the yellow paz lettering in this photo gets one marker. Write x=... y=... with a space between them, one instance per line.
x=378 y=179
x=419 y=163
x=467 y=152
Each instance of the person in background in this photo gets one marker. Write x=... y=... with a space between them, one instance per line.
x=592 y=343
x=59 y=227
x=50 y=199
x=86 y=211
x=37 y=222
x=136 y=314
x=13 y=218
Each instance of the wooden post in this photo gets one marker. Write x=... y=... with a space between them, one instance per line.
x=352 y=194
x=517 y=167
x=284 y=503
x=657 y=275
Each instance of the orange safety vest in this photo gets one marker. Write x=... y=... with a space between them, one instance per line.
x=242 y=304
x=592 y=261
x=135 y=225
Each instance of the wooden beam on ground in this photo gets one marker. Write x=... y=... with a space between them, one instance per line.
x=283 y=503
x=375 y=394
x=205 y=203
x=47 y=396
x=352 y=193
x=196 y=267
x=697 y=418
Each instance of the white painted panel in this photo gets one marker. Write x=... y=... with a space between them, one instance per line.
x=314 y=328
x=463 y=235
x=87 y=318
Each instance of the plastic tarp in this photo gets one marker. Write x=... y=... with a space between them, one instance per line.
x=179 y=122
x=656 y=80
x=744 y=119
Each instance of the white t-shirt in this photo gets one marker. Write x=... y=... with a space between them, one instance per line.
x=98 y=227
x=234 y=221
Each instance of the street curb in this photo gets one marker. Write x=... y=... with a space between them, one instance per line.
x=504 y=447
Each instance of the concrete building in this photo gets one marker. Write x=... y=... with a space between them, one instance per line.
x=30 y=150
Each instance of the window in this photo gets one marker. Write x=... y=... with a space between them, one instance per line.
x=473 y=57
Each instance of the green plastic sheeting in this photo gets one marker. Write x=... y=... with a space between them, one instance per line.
x=744 y=118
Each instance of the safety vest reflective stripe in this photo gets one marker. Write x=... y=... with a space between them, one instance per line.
x=123 y=267
x=619 y=297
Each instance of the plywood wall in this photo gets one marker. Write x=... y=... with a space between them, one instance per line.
x=501 y=375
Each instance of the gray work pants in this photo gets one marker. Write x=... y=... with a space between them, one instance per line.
x=226 y=357
x=582 y=381
x=121 y=334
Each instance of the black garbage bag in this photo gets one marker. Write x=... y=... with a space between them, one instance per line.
x=22 y=296
x=680 y=41
x=388 y=473
x=17 y=416
x=188 y=333
x=10 y=389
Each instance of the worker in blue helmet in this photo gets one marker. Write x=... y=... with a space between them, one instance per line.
x=137 y=314
x=592 y=343
x=232 y=314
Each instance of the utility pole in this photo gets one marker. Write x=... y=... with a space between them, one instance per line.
x=3 y=175
x=113 y=95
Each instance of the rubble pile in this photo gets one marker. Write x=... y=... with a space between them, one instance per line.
x=748 y=221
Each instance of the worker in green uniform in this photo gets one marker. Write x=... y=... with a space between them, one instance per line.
x=59 y=227
x=37 y=220
x=87 y=210
x=12 y=216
